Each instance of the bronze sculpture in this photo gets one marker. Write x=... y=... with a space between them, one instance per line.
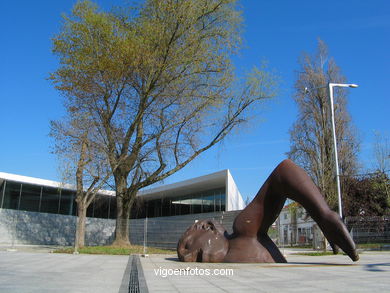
x=208 y=241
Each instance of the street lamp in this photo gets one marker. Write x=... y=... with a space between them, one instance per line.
x=331 y=86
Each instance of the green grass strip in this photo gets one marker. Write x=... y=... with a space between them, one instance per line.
x=315 y=253
x=116 y=250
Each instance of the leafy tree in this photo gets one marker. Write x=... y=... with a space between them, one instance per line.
x=311 y=136
x=157 y=84
x=367 y=195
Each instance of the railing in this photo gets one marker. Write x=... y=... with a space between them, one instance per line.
x=369 y=229
x=17 y=227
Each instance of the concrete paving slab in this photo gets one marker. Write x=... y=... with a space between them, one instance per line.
x=335 y=273
x=48 y=272
x=30 y=248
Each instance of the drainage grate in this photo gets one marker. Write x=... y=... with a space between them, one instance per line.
x=133 y=282
x=133 y=279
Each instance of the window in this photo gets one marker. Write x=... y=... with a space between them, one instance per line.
x=112 y=203
x=154 y=208
x=138 y=210
x=149 y=209
x=30 y=198
x=11 y=195
x=223 y=200
x=50 y=200
x=185 y=205
x=166 y=207
x=175 y=207
x=208 y=202
x=90 y=210
x=68 y=205
x=2 y=192
x=100 y=207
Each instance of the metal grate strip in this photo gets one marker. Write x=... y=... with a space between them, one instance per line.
x=133 y=282
x=133 y=279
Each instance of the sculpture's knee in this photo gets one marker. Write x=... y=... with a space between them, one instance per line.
x=285 y=165
x=288 y=163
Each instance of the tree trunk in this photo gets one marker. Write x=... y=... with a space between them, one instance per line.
x=80 y=225
x=122 y=213
x=122 y=223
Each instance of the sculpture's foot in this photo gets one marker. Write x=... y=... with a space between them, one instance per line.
x=338 y=235
x=335 y=248
x=267 y=242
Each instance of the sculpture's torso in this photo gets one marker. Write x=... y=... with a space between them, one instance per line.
x=247 y=250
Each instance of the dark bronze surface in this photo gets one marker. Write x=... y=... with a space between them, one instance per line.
x=208 y=241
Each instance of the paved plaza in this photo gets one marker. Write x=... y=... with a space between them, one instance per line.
x=31 y=271
x=302 y=274
x=40 y=272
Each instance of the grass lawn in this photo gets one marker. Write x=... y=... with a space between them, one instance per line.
x=116 y=250
x=373 y=245
x=315 y=253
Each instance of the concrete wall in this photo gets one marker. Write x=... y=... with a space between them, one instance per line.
x=21 y=227
x=233 y=195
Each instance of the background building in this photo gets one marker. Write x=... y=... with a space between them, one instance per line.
x=210 y=193
x=295 y=226
x=38 y=211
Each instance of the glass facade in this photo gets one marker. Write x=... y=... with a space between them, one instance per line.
x=205 y=202
x=44 y=199
x=50 y=200
x=11 y=195
x=67 y=204
x=30 y=196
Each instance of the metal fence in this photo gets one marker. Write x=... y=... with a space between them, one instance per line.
x=21 y=227
x=305 y=234
x=363 y=230
x=369 y=229
x=166 y=232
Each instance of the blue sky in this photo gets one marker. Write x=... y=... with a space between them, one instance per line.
x=356 y=32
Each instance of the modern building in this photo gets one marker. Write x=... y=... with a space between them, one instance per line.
x=37 y=211
x=215 y=192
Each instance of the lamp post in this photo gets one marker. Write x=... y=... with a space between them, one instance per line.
x=331 y=86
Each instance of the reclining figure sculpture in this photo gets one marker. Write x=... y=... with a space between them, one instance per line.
x=208 y=241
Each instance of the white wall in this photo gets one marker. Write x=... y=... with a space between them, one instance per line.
x=234 y=199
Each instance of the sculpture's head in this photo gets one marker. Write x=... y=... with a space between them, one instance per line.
x=203 y=241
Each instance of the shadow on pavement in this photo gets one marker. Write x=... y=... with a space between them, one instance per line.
x=375 y=267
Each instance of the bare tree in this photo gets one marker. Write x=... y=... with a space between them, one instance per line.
x=382 y=152
x=82 y=164
x=382 y=159
x=158 y=84
x=311 y=136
